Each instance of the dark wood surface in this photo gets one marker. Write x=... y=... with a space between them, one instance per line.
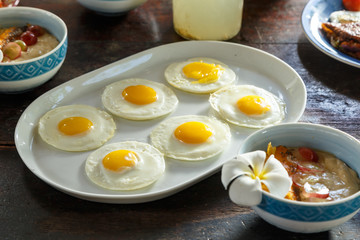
x=31 y=209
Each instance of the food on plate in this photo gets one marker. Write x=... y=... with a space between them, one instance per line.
x=126 y=165
x=343 y=32
x=248 y=106
x=139 y=99
x=351 y=5
x=24 y=43
x=199 y=75
x=344 y=36
x=191 y=137
x=317 y=176
x=343 y=16
x=76 y=127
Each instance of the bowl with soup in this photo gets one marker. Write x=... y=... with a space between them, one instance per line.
x=323 y=168
x=33 y=46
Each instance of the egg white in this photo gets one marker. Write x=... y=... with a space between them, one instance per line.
x=175 y=77
x=162 y=137
x=103 y=128
x=343 y=16
x=114 y=102
x=148 y=169
x=224 y=102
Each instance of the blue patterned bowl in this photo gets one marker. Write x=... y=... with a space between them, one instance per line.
x=299 y=216
x=25 y=75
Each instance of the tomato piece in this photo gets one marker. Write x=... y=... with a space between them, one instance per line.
x=315 y=191
x=29 y=38
x=297 y=179
x=308 y=154
x=351 y=5
x=309 y=168
x=36 y=30
x=318 y=195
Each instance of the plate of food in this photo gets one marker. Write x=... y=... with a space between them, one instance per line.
x=176 y=106
x=330 y=40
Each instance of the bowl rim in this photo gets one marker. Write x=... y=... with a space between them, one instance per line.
x=301 y=203
x=38 y=10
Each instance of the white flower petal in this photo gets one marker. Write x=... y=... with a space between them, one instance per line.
x=273 y=165
x=276 y=178
x=244 y=174
x=242 y=164
x=257 y=161
x=278 y=185
x=245 y=191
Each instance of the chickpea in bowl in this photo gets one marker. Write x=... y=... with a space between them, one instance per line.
x=33 y=43
x=282 y=199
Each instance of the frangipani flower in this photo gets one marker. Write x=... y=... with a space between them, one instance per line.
x=244 y=175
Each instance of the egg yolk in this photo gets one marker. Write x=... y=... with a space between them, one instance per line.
x=119 y=159
x=253 y=105
x=74 y=125
x=193 y=132
x=139 y=94
x=203 y=72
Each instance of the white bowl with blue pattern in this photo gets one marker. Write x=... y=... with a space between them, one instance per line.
x=111 y=7
x=26 y=75
x=307 y=217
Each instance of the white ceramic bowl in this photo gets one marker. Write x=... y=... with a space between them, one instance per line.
x=111 y=7
x=306 y=217
x=25 y=75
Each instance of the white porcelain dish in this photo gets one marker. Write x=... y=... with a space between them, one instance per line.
x=315 y=13
x=111 y=7
x=65 y=170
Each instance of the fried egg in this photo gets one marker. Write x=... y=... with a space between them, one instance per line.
x=139 y=99
x=191 y=137
x=199 y=75
x=248 y=106
x=126 y=165
x=76 y=127
x=343 y=16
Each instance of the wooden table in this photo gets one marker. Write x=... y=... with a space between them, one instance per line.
x=31 y=209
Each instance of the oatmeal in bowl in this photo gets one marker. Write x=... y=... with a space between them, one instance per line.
x=33 y=44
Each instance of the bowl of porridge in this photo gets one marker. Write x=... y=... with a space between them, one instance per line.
x=111 y=7
x=33 y=46
x=323 y=167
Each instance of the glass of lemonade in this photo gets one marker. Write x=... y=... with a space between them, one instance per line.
x=207 y=19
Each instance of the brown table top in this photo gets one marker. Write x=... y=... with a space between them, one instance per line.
x=31 y=209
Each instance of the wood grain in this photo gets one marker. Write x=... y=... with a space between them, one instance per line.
x=31 y=209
